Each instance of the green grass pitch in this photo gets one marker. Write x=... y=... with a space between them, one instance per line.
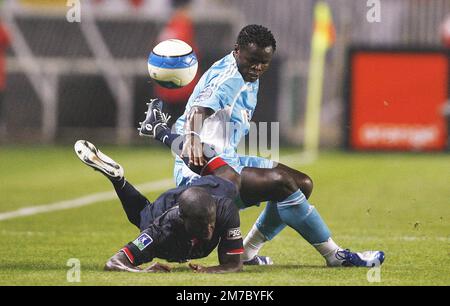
x=399 y=203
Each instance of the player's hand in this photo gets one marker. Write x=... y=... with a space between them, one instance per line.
x=197 y=268
x=158 y=267
x=193 y=149
x=120 y=263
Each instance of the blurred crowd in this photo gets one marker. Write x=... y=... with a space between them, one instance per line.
x=4 y=44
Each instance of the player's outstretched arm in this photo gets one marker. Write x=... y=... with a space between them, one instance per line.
x=136 y=253
x=120 y=263
x=193 y=147
x=185 y=146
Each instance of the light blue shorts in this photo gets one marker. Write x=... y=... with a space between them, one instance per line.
x=184 y=176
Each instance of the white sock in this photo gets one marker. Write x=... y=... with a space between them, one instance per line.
x=328 y=250
x=253 y=243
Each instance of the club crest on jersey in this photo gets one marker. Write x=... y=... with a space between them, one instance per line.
x=234 y=233
x=143 y=241
x=205 y=94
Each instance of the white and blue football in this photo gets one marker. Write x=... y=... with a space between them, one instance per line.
x=172 y=63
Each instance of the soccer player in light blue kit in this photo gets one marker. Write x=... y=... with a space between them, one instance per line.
x=218 y=113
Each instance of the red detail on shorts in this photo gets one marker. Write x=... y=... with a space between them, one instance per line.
x=128 y=254
x=213 y=165
x=236 y=252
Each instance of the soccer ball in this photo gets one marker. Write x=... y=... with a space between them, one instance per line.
x=172 y=64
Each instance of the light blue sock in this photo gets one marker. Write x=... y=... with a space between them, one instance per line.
x=298 y=214
x=269 y=222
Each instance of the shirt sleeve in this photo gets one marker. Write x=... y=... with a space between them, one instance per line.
x=143 y=248
x=231 y=242
x=218 y=94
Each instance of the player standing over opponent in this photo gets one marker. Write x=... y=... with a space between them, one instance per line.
x=224 y=101
x=310 y=226
x=226 y=96
x=227 y=93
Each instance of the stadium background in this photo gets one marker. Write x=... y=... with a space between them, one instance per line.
x=91 y=76
x=89 y=80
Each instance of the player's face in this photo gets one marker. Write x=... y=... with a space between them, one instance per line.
x=253 y=61
x=201 y=229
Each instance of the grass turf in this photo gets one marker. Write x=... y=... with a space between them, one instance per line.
x=394 y=202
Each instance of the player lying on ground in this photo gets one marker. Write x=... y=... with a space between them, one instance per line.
x=293 y=206
x=182 y=224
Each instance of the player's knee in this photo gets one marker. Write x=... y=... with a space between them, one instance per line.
x=306 y=186
x=283 y=183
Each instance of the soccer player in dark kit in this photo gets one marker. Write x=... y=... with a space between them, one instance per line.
x=182 y=224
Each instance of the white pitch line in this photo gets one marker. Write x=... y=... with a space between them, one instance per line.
x=294 y=159
x=83 y=201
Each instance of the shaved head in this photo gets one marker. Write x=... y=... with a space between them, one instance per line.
x=195 y=202
x=198 y=211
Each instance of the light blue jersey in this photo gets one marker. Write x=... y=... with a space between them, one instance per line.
x=223 y=89
x=233 y=100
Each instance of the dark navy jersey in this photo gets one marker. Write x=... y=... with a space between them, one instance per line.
x=216 y=186
x=163 y=235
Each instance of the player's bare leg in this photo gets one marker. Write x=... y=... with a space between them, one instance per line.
x=255 y=240
x=288 y=206
x=303 y=181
